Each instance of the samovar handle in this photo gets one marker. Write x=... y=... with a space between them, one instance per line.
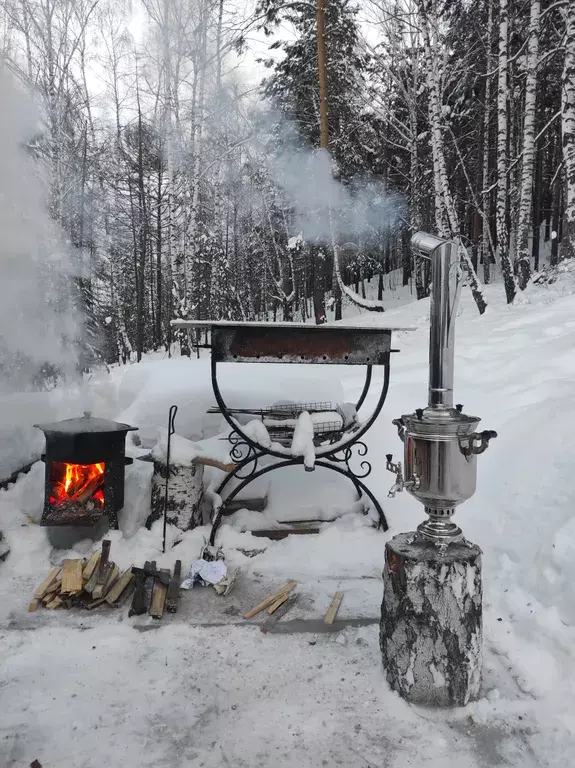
x=468 y=444
x=401 y=428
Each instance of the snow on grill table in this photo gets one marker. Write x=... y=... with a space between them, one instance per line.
x=296 y=343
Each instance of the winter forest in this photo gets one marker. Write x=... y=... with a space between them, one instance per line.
x=211 y=159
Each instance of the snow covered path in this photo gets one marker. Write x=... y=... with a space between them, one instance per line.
x=84 y=691
x=179 y=696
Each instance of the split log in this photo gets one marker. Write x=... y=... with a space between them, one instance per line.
x=101 y=590
x=333 y=608
x=269 y=600
x=72 y=577
x=431 y=621
x=126 y=594
x=159 y=597
x=101 y=574
x=34 y=605
x=49 y=596
x=90 y=566
x=205 y=461
x=149 y=583
x=173 y=593
x=90 y=585
x=56 y=603
x=48 y=582
x=116 y=591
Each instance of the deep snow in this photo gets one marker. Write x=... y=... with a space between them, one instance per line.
x=80 y=689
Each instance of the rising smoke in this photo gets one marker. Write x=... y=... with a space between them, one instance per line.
x=323 y=205
x=37 y=322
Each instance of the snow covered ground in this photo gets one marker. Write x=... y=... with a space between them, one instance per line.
x=205 y=689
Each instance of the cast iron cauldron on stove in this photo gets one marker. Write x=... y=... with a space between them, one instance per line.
x=84 y=480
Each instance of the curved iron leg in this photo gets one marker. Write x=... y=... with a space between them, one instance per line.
x=361 y=488
x=244 y=463
x=366 y=387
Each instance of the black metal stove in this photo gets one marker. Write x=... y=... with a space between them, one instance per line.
x=85 y=466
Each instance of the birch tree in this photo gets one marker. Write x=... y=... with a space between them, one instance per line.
x=568 y=130
x=524 y=219
x=446 y=215
x=486 y=234
x=502 y=164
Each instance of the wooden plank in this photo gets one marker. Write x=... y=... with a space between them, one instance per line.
x=90 y=585
x=101 y=590
x=91 y=566
x=280 y=601
x=269 y=600
x=49 y=596
x=206 y=461
x=158 y=598
x=333 y=608
x=34 y=605
x=115 y=592
x=72 y=577
x=279 y=613
x=276 y=534
x=48 y=582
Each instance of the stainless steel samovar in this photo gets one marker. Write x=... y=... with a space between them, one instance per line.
x=440 y=441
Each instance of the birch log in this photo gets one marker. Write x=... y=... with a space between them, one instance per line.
x=431 y=621
x=185 y=494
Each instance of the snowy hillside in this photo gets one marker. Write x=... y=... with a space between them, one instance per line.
x=85 y=689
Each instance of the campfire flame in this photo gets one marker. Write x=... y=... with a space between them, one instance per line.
x=77 y=483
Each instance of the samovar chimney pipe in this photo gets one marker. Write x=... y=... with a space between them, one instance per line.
x=445 y=292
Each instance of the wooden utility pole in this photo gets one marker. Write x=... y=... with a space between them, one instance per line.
x=322 y=74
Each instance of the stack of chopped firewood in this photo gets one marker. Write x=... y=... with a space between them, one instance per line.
x=98 y=582
x=85 y=584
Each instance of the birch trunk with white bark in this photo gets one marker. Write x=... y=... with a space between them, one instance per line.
x=502 y=139
x=197 y=136
x=486 y=235
x=524 y=220
x=446 y=213
x=568 y=132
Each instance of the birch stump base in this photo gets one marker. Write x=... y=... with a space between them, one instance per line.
x=185 y=494
x=431 y=629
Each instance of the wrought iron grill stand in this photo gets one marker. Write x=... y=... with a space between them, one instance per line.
x=297 y=343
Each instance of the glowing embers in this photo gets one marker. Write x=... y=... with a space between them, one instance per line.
x=76 y=490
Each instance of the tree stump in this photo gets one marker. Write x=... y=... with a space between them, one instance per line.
x=431 y=630
x=185 y=494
